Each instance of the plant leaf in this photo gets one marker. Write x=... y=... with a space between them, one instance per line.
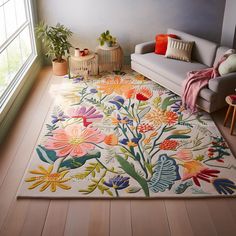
x=77 y=162
x=45 y=155
x=133 y=189
x=178 y=136
x=142 y=113
x=165 y=174
x=167 y=102
x=129 y=169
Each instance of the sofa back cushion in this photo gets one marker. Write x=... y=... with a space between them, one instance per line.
x=204 y=51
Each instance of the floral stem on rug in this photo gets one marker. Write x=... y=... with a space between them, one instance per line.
x=129 y=169
x=116 y=191
x=57 y=165
x=155 y=142
x=102 y=99
x=109 y=170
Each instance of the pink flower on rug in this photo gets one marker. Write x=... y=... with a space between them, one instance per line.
x=184 y=155
x=88 y=115
x=74 y=140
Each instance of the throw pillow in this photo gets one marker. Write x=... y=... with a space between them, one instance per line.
x=162 y=41
x=228 y=66
x=179 y=49
x=229 y=52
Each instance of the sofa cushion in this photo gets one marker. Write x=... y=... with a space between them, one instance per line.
x=203 y=50
x=174 y=70
x=161 y=43
x=179 y=49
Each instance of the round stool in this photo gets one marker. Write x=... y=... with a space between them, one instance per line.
x=231 y=106
x=109 y=58
x=83 y=65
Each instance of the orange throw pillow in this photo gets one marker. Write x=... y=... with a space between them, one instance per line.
x=162 y=41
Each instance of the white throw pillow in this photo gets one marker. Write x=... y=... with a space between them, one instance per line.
x=179 y=49
x=228 y=66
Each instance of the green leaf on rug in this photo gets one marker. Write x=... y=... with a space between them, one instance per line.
x=149 y=167
x=156 y=102
x=167 y=102
x=142 y=113
x=48 y=156
x=77 y=162
x=178 y=136
x=90 y=169
x=130 y=170
x=133 y=189
x=165 y=174
x=181 y=188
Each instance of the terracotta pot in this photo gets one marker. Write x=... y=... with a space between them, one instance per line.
x=59 y=68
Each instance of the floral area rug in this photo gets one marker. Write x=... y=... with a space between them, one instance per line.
x=122 y=135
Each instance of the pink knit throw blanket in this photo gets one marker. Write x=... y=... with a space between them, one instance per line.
x=194 y=82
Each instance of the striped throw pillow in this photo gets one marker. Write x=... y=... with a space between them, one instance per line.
x=179 y=49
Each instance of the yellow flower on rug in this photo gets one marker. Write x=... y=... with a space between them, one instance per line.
x=158 y=117
x=46 y=178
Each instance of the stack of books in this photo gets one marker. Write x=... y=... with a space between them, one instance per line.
x=232 y=98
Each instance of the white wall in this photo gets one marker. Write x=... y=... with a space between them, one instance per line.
x=133 y=21
x=229 y=23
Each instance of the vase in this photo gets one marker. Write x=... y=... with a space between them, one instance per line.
x=77 y=52
x=108 y=44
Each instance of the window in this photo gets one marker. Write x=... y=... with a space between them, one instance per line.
x=17 y=46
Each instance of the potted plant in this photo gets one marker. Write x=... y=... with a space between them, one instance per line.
x=106 y=39
x=56 y=42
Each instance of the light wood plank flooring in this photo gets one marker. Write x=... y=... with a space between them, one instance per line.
x=32 y=217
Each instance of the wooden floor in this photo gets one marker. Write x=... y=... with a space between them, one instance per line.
x=33 y=217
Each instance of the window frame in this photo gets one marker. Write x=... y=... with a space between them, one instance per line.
x=16 y=81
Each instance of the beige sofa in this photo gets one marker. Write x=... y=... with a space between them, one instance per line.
x=170 y=73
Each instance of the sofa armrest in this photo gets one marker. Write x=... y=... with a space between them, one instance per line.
x=145 y=47
x=225 y=84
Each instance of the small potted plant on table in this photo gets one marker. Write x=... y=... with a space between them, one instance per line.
x=56 y=41
x=107 y=40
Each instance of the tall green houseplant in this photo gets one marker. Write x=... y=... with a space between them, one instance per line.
x=55 y=40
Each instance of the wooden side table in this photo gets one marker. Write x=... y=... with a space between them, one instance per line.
x=109 y=58
x=83 y=65
x=231 y=106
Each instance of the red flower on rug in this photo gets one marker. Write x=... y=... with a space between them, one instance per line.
x=143 y=128
x=169 y=145
x=144 y=94
x=171 y=117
